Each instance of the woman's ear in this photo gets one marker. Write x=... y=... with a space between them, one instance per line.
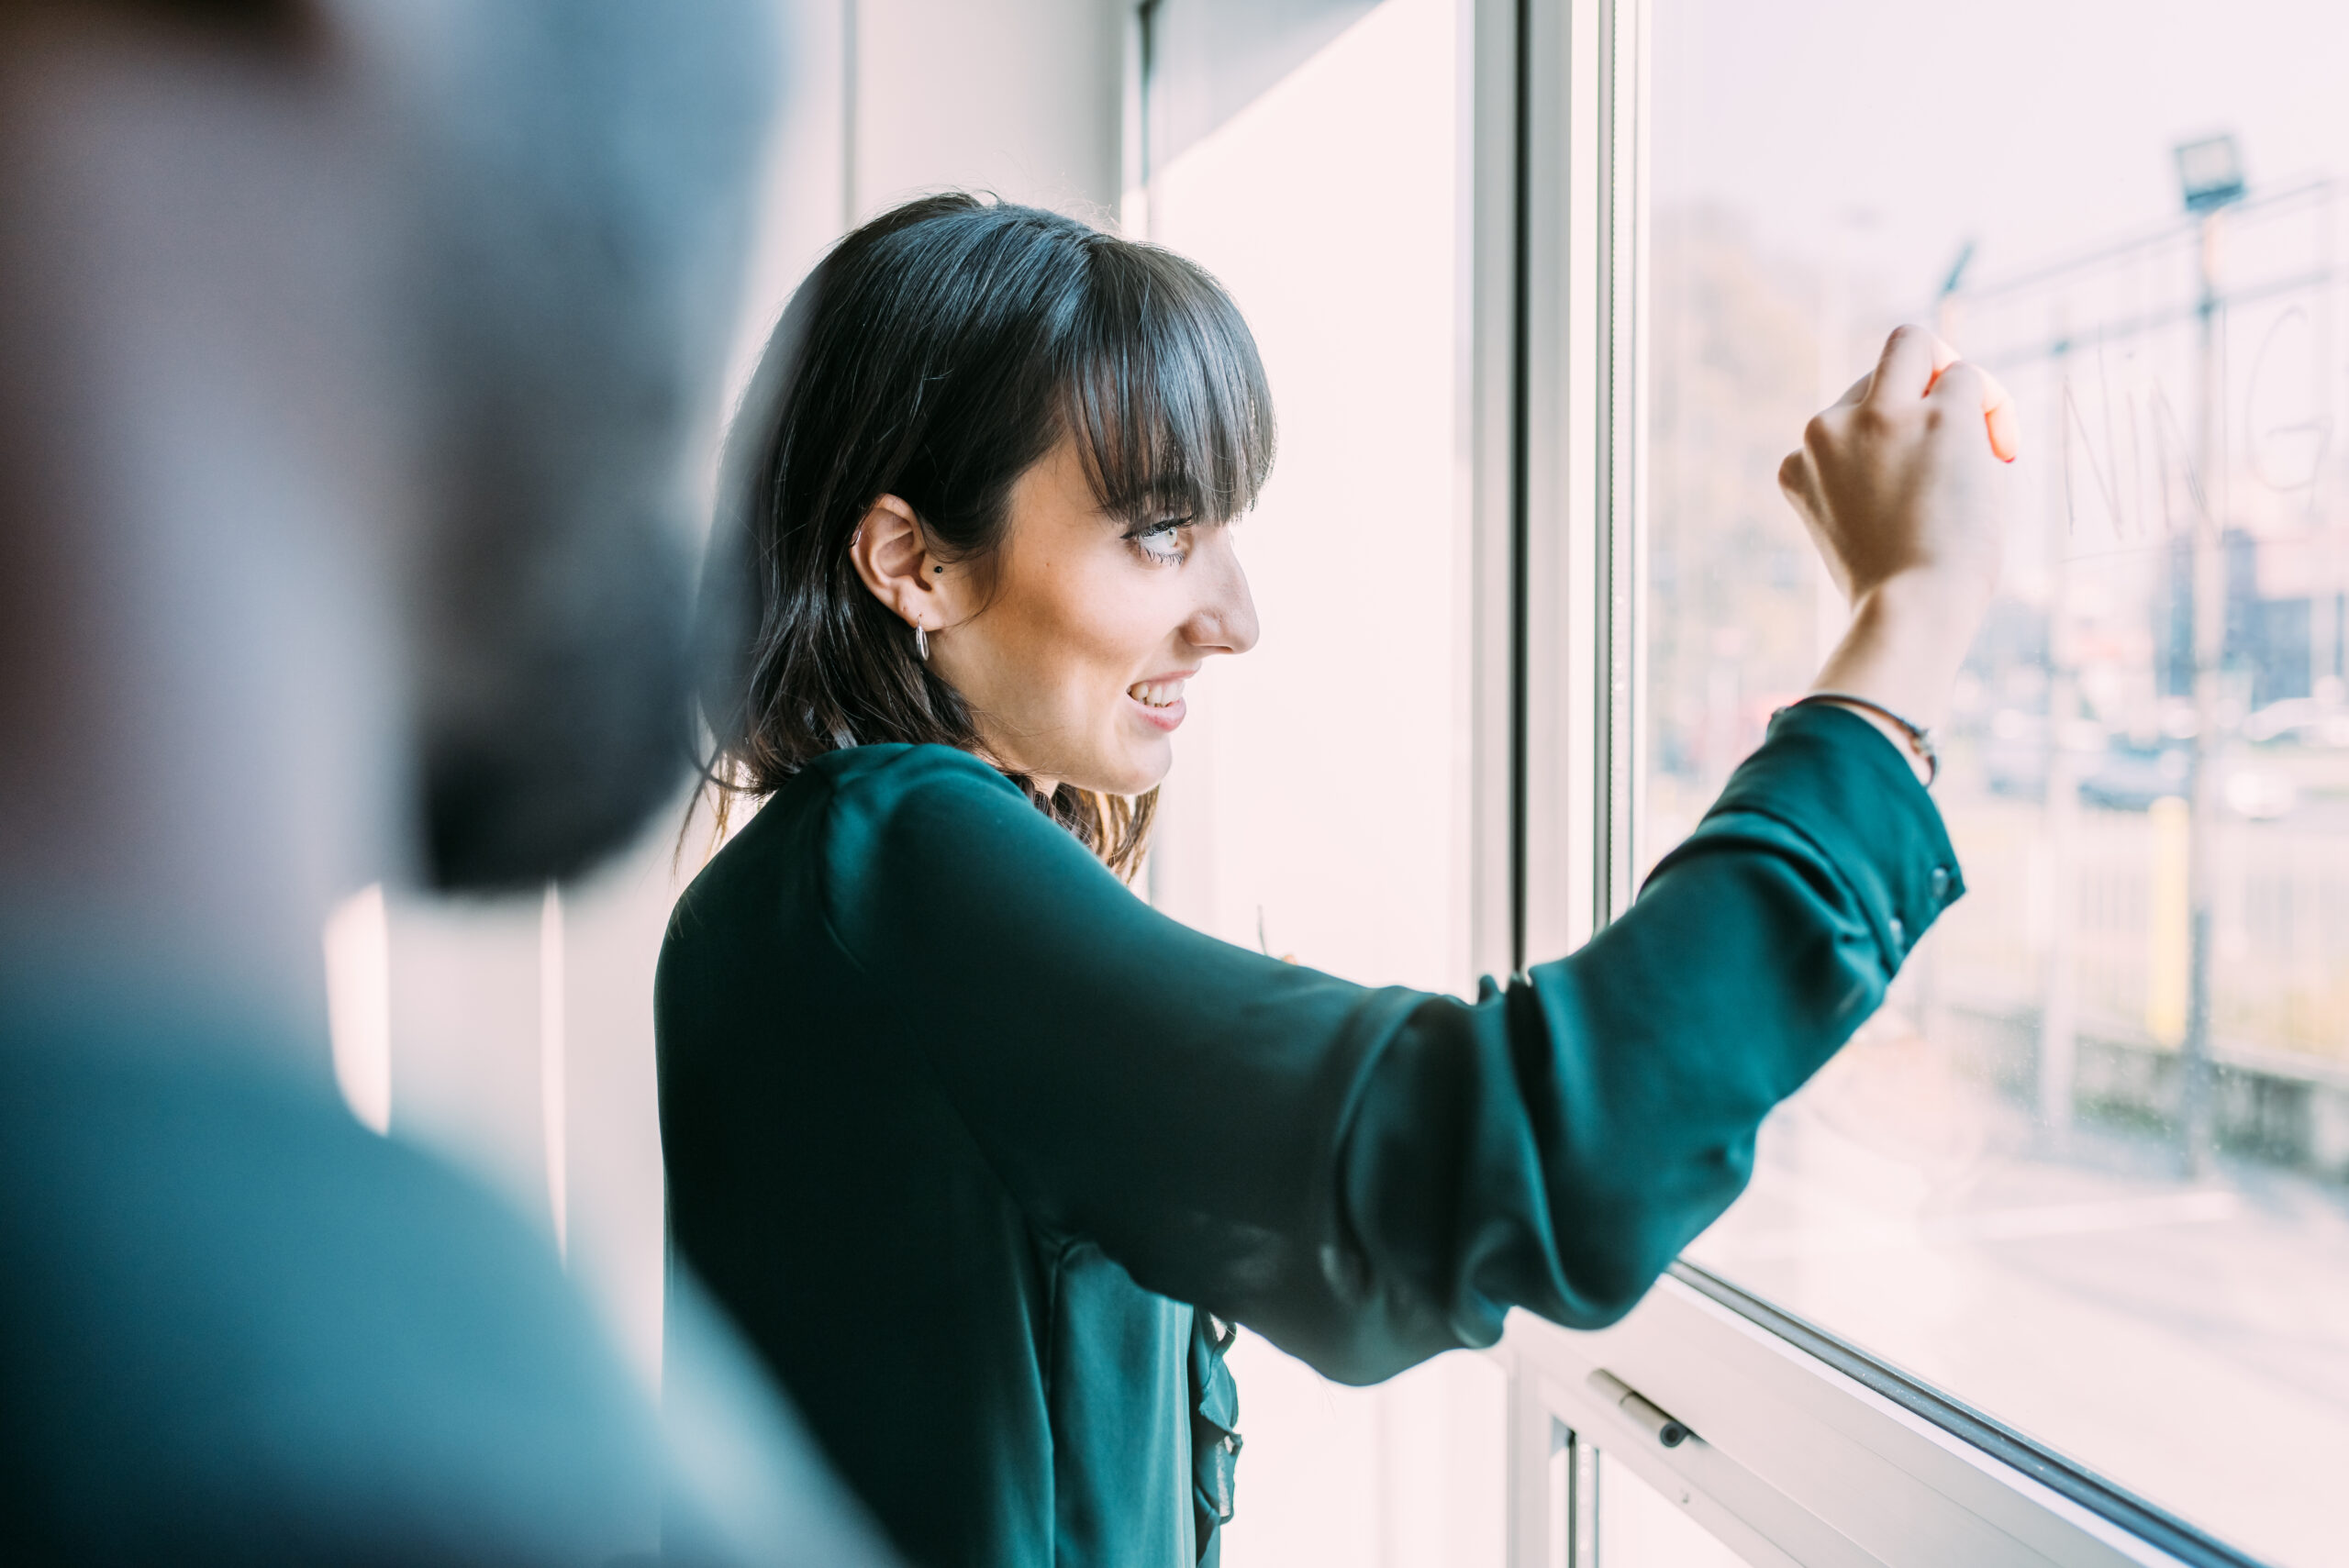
x=893 y=555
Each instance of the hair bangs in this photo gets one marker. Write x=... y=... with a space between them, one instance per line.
x=1166 y=396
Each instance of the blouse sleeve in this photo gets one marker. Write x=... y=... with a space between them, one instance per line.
x=1369 y=1177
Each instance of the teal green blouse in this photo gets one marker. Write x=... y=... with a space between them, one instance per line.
x=963 y=1132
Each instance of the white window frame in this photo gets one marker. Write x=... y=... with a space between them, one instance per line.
x=1792 y=1460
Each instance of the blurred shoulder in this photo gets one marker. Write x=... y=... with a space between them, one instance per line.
x=224 y=1263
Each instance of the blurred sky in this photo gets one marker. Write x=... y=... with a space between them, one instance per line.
x=1880 y=135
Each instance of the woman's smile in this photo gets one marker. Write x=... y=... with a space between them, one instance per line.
x=1160 y=698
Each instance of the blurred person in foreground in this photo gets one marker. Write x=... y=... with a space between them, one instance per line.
x=349 y=353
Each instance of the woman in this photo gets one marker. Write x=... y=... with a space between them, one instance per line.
x=984 y=1154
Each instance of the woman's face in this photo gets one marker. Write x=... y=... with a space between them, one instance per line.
x=1073 y=644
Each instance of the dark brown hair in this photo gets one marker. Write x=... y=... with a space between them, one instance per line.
x=937 y=354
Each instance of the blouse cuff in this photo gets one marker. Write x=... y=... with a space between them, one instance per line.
x=1833 y=779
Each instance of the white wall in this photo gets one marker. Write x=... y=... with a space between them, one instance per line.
x=1022 y=97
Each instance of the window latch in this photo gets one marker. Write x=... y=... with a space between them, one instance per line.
x=1667 y=1431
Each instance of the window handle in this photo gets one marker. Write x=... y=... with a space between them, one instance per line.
x=1644 y=1415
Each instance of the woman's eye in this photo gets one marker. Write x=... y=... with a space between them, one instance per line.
x=1166 y=541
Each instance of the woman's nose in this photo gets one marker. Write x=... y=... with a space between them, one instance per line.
x=1225 y=621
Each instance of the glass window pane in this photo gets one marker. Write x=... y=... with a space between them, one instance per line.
x=2033 y=1180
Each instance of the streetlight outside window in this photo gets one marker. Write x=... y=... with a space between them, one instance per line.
x=2209 y=172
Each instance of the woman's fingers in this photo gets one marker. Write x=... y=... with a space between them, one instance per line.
x=1916 y=363
x=1793 y=478
x=1998 y=410
x=1912 y=359
x=1970 y=385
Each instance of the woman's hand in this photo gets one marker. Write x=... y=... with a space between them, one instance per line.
x=1903 y=484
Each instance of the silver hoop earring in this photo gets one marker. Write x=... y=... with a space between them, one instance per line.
x=922 y=642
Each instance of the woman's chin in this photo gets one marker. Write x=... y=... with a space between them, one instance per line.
x=1142 y=768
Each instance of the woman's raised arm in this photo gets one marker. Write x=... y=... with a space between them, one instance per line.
x=1369 y=1177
